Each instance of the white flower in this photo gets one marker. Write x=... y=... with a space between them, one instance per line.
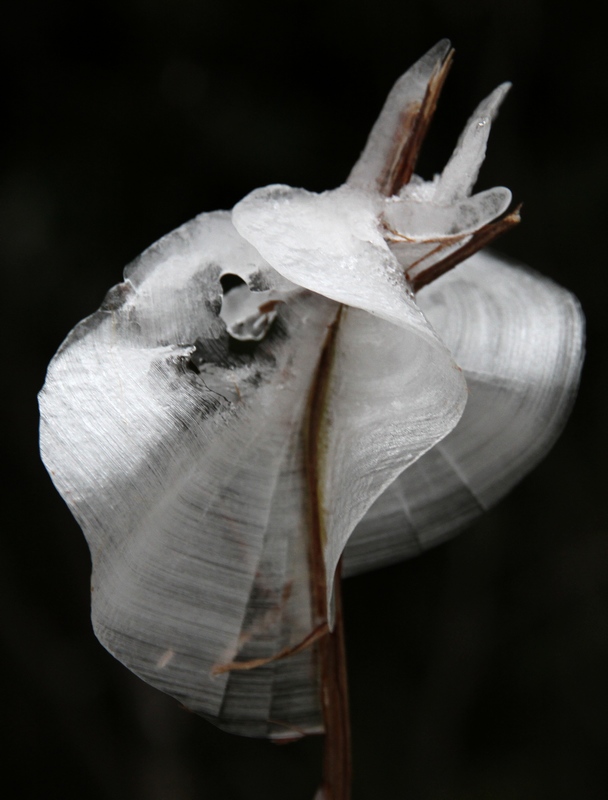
x=260 y=367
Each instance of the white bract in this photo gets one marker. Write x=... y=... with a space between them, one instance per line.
x=176 y=420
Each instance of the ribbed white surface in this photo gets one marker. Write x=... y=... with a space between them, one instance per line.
x=181 y=449
x=189 y=487
x=519 y=340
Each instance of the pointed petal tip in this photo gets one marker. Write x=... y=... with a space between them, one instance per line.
x=441 y=49
x=460 y=173
x=489 y=105
x=390 y=153
x=437 y=58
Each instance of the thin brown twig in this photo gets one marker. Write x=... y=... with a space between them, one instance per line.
x=291 y=650
x=479 y=239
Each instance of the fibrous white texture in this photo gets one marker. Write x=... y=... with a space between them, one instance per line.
x=176 y=420
x=518 y=338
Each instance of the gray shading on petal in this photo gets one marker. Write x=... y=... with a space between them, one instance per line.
x=519 y=339
x=172 y=478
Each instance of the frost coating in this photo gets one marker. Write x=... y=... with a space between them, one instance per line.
x=174 y=421
x=330 y=243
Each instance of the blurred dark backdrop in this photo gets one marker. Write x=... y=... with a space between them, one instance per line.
x=478 y=670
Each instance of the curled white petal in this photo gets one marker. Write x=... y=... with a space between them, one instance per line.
x=519 y=340
x=330 y=243
x=392 y=395
x=189 y=484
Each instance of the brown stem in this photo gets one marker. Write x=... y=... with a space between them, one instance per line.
x=330 y=648
x=415 y=121
x=481 y=238
x=336 y=713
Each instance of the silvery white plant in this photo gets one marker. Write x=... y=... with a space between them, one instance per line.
x=294 y=387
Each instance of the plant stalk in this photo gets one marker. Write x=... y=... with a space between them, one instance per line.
x=336 y=713
x=330 y=648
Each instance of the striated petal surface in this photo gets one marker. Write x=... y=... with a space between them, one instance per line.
x=180 y=458
x=264 y=377
x=391 y=396
x=519 y=340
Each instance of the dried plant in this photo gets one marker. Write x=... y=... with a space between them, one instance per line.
x=298 y=389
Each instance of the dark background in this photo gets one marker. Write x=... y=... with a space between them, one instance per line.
x=478 y=670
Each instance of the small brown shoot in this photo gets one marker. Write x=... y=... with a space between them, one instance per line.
x=479 y=239
x=233 y=666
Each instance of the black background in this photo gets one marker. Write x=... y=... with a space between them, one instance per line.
x=478 y=670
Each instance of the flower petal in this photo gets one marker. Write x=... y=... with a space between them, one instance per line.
x=189 y=486
x=331 y=244
x=392 y=395
x=519 y=340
